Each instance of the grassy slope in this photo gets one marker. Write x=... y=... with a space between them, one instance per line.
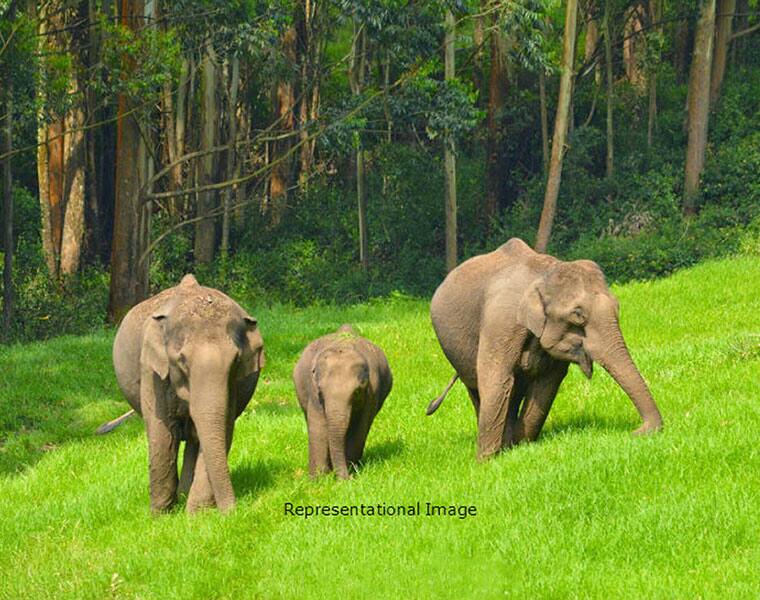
x=586 y=511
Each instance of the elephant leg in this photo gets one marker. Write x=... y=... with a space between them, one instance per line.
x=201 y=495
x=163 y=443
x=538 y=401
x=475 y=399
x=357 y=436
x=319 y=447
x=498 y=354
x=511 y=426
x=188 y=467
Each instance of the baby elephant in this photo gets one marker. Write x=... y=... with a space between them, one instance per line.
x=341 y=381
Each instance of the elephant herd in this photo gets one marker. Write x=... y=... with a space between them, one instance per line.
x=510 y=322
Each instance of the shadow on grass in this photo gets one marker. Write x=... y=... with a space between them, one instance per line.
x=380 y=453
x=277 y=408
x=583 y=423
x=252 y=478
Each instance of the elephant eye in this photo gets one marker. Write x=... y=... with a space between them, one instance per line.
x=577 y=317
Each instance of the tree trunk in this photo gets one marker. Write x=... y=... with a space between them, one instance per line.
x=284 y=113
x=723 y=21
x=634 y=47
x=61 y=154
x=589 y=50
x=449 y=156
x=655 y=14
x=560 y=128
x=8 y=246
x=205 y=228
x=356 y=76
x=231 y=151
x=699 y=104
x=478 y=40
x=544 y=120
x=128 y=273
x=610 y=161
x=497 y=88
x=681 y=49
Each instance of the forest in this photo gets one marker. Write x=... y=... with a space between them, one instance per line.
x=330 y=151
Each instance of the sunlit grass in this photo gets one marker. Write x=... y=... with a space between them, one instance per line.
x=587 y=511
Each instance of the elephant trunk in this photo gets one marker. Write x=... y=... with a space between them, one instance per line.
x=617 y=361
x=338 y=416
x=210 y=412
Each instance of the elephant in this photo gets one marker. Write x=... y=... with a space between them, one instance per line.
x=341 y=381
x=511 y=321
x=188 y=360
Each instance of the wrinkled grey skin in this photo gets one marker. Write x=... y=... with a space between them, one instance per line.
x=511 y=321
x=341 y=381
x=188 y=360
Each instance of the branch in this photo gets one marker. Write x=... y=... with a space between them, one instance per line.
x=744 y=32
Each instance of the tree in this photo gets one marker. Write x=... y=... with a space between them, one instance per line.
x=8 y=246
x=129 y=272
x=723 y=21
x=560 y=128
x=356 y=78
x=61 y=144
x=449 y=156
x=607 y=33
x=699 y=104
x=205 y=228
x=497 y=96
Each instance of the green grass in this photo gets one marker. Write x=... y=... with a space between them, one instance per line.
x=587 y=511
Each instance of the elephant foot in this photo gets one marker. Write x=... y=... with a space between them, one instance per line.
x=162 y=507
x=227 y=506
x=649 y=427
x=195 y=505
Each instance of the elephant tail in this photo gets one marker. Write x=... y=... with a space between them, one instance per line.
x=433 y=406
x=111 y=425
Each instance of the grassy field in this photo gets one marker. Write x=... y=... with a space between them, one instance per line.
x=587 y=511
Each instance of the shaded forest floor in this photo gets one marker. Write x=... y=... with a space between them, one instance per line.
x=586 y=511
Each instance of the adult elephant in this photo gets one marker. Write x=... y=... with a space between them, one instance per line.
x=511 y=321
x=188 y=360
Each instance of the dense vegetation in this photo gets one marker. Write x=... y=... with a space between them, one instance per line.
x=586 y=511
x=314 y=108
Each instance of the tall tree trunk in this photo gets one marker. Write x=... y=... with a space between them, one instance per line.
x=356 y=77
x=497 y=95
x=699 y=104
x=560 y=128
x=8 y=291
x=449 y=156
x=128 y=273
x=231 y=151
x=634 y=46
x=591 y=45
x=610 y=161
x=280 y=177
x=655 y=14
x=309 y=53
x=61 y=155
x=544 y=120
x=205 y=228
x=681 y=49
x=478 y=40
x=723 y=21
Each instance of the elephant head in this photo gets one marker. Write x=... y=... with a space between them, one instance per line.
x=341 y=379
x=576 y=318
x=204 y=347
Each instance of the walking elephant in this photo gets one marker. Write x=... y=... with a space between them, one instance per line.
x=511 y=321
x=341 y=382
x=188 y=360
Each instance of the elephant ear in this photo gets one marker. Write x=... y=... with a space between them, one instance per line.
x=253 y=360
x=532 y=314
x=153 y=354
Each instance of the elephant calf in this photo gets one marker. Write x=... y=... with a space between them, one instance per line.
x=188 y=360
x=341 y=381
